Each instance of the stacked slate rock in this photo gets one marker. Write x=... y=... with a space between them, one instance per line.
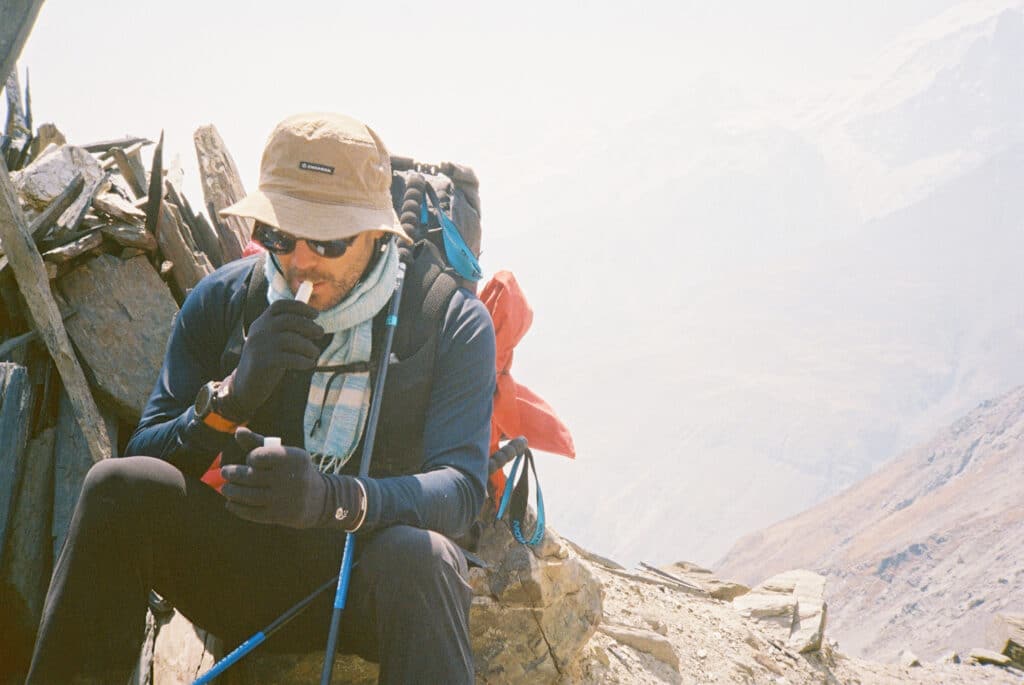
x=98 y=248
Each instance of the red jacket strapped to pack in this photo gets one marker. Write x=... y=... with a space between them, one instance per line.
x=517 y=409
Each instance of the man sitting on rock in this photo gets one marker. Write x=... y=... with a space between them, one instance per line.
x=246 y=359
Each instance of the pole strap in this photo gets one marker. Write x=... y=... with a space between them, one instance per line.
x=516 y=497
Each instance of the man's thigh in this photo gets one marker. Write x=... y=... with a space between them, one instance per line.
x=227 y=575
x=398 y=573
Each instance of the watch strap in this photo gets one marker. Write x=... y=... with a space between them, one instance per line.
x=219 y=423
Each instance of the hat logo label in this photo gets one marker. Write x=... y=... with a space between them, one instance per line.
x=313 y=166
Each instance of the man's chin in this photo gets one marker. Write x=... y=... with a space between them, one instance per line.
x=324 y=301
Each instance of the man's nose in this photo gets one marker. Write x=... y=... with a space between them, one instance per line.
x=304 y=257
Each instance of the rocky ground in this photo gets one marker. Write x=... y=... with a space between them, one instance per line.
x=655 y=631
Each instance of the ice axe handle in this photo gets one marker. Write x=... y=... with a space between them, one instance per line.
x=515 y=447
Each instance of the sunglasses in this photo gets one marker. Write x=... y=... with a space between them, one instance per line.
x=279 y=242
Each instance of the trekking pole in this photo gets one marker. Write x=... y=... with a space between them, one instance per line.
x=257 y=639
x=364 y=470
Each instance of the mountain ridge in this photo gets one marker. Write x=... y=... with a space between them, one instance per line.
x=922 y=553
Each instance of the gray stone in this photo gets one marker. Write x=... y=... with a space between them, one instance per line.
x=183 y=652
x=705 y=579
x=980 y=655
x=792 y=605
x=116 y=207
x=908 y=659
x=645 y=641
x=774 y=612
x=130 y=237
x=1006 y=636
x=266 y=668
x=45 y=178
x=125 y=313
x=534 y=610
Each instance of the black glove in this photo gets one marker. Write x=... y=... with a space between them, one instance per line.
x=281 y=485
x=282 y=338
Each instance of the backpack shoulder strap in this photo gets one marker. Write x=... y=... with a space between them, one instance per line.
x=255 y=295
x=429 y=287
x=254 y=302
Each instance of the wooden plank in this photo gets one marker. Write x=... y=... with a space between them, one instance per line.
x=124 y=319
x=73 y=215
x=16 y=127
x=116 y=207
x=123 y=143
x=222 y=187
x=206 y=239
x=72 y=461
x=55 y=240
x=189 y=264
x=130 y=236
x=134 y=155
x=77 y=248
x=155 y=196
x=12 y=318
x=42 y=222
x=30 y=556
x=17 y=341
x=124 y=191
x=16 y=20
x=33 y=283
x=135 y=177
x=15 y=419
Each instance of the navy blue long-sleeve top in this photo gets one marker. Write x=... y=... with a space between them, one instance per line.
x=450 y=488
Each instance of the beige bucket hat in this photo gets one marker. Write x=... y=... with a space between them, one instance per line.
x=323 y=176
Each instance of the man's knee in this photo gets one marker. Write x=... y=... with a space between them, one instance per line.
x=120 y=484
x=404 y=554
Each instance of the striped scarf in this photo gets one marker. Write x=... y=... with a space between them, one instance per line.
x=337 y=405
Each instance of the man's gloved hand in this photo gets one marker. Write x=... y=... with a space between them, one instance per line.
x=282 y=338
x=282 y=486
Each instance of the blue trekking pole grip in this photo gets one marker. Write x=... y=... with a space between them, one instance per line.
x=364 y=470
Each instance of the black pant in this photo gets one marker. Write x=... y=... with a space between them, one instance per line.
x=141 y=524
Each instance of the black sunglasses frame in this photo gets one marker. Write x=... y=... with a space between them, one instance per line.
x=278 y=242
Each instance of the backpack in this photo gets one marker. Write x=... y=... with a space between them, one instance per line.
x=440 y=203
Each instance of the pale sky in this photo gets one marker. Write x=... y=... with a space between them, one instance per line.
x=560 y=107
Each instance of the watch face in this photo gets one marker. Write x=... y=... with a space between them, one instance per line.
x=204 y=401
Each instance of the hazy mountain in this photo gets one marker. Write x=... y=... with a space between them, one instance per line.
x=940 y=102
x=924 y=552
x=812 y=357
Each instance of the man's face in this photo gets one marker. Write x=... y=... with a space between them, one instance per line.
x=332 y=278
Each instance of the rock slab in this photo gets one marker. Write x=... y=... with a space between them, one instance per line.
x=646 y=641
x=705 y=579
x=124 y=318
x=792 y=604
x=1007 y=636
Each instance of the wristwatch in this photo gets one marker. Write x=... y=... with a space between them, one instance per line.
x=209 y=407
